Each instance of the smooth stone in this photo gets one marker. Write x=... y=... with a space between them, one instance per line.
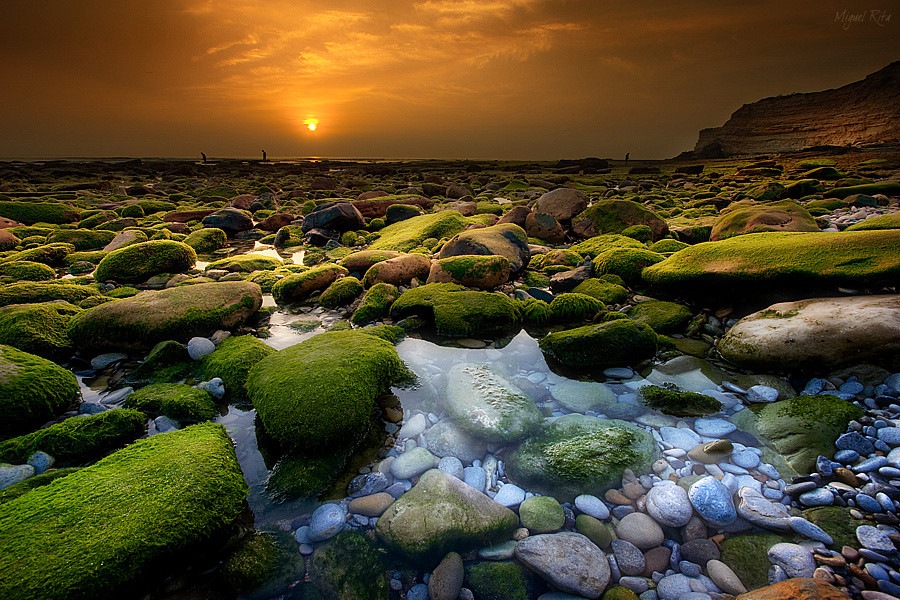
x=412 y=428
x=700 y=551
x=371 y=506
x=476 y=477
x=674 y=587
x=819 y=497
x=541 y=514
x=451 y=466
x=215 y=386
x=638 y=585
x=669 y=505
x=678 y=437
x=509 y=495
x=102 y=361
x=762 y=393
x=41 y=461
x=868 y=503
x=745 y=458
x=446 y=580
x=641 y=530
x=13 y=474
x=796 y=560
x=593 y=506
x=326 y=521
x=629 y=558
x=725 y=578
x=870 y=464
x=418 y=592
x=198 y=347
x=368 y=484
x=445 y=438
x=810 y=530
x=569 y=561
x=875 y=539
x=846 y=456
x=619 y=373
x=413 y=463
x=164 y=424
x=712 y=501
x=710 y=427
x=686 y=567
x=712 y=452
x=853 y=440
x=760 y=511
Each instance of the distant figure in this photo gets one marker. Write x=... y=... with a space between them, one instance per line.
x=627 y=154
x=203 y=154
x=264 y=156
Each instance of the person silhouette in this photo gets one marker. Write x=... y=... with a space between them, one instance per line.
x=203 y=154
x=264 y=155
x=627 y=154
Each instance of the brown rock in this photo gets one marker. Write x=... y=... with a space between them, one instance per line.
x=506 y=240
x=372 y=194
x=712 y=452
x=242 y=202
x=399 y=270
x=376 y=208
x=799 y=588
x=7 y=240
x=544 y=227
x=276 y=221
x=656 y=559
x=562 y=204
x=466 y=209
x=516 y=215
x=447 y=579
x=183 y=216
x=359 y=262
x=7 y=223
x=372 y=505
x=484 y=272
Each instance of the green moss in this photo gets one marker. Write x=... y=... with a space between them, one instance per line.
x=672 y=401
x=891 y=221
x=420 y=300
x=359 y=262
x=96 y=218
x=49 y=254
x=146 y=503
x=349 y=567
x=780 y=216
x=265 y=564
x=641 y=233
x=627 y=263
x=78 y=439
x=174 y=400
x=542 y=514
x=888 y=188
x=568 y=258
x=837 y=522
x=82 y=239
x=23 y=487
x=167 y=362
x=300 y=286
x=376 y=303
x=536 y=311
x=299 y=476
x=139 y=262
x=320 y=394
x=38 y=328
x=748 y=557
x=32 y=210
x=667 y=245
x=612 y=343
x=604 y=291
x=772 y=260
x=473 y=269
x=153 y=206
x=206 y=240
x=406 y=235
x=663 y=317
x=341 y=293
x=31 y=292
x=571 y=307
x=469 y=313
x=232 y=361
x=93 y=256
x=264 y=279
x=26 y=231
x=349 y=238
x=534 y=279
x=505 y=580
x=27 y=271
x=620 y=592
x=390 y=333
x=33 y=390
x=246 y=263
x=615 y=216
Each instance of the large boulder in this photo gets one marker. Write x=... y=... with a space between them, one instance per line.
x=816 y=333
x=442 y=514
x=360 y=262
x=488 y=406
x=33 y=390
x=349 y=567
x=615 y=216
x=229 y=220
x=578 y=455
x=178 y=489
x=505 y=240
x=82 y=239
x=299 y=286
x=617 y=342
x=778 y=260
x=799 y=588
x=334 y=216
x=232 y=361
x=246 y=263
x=409 y=234
x=754 y=218
x=319 y=395
x=139 y=262
x=458 y=312
x=28 y=292
x=178 y=313
x=38 y=328
x=485 y=272
x=562 y=204
x=33 y=210
x=399 y=270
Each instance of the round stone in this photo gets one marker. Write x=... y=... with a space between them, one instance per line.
x=745 y=458
x=710 y=427
x=198 y=347
x=629 y=558
x=810 y=530
x=818 y=497
x=510 y=495
x=669 y=505
x=712 y=501
x=372 y=505
x=451 y=466
x=875 y=539
x=725 y=578
x=796 y=560
x=641 y=530
x=680 y=437
x=412 y=428
x=447 y=579
x=593 y=506
x=674 y=587
x=325 y=522
x=700 y=551
x=542 y=514
x=413 y=463
x=476 y=477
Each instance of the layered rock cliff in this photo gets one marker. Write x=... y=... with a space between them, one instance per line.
x=862 y=112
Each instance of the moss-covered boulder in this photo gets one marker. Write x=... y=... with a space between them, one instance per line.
x=153 y=501
x=668 y=245
x=488 y=406
x=48 y=254
x=298 y=475
x=26 y=270
x=458 y=312
x=82 y=239
x=400 y=270
x=175 y=400
x=38 y=328
x=33 y=390
x=341 y=293
x=578 y=454
x=376 y=303
x=32 y=210
x=748 y=557
x=232 y=361
x=441 y=514
x=485 y=272
x=349 y=567
x=246 y=263
x=572 y=307
x=672 y=401
x=359 y=262
x=28 y=292
x=779 y=260
x=299 y=286
x=408 y=234
x=804 y=428
x=178 y=313
x=264 y=565
x=615 y=216
x=604 y=291
x=617 y=342
x=888 y=188
x=755 y=218
x=601 y=243
x=627 y=263
x=507 y=240
x=206 y=240
x=139 y=262
x=78 y=439
x=319 y=395
x=891 y=221
x=502 y=580
x=663 y=317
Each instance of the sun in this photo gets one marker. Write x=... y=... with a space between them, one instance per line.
x=311 y=124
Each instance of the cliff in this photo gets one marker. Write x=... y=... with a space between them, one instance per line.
x=862 y=112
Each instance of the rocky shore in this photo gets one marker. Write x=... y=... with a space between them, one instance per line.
x=450 y=380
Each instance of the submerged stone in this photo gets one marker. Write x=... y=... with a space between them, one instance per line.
x=609 y=344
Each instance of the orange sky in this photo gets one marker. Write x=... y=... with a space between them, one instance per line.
x=514 y=79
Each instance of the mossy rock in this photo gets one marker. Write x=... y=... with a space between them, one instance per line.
x=606 y=292
x=32 y=210
x=615 y=216
x=95 y=218
x=319 y=395
x=620 y=592
x=289 y=236
x=400 y=212
x=535 y=279
x=420 y=300
x=301 y=476
x=23 y=487
x=406 y=235
x=139 y=262
x=151 y=206
x=341 y=293
x=376 y=303
x=837 y=522
x=26 y=231
x=748 y=557
x=803 y=428
x=667 y=245
x=663 y=317
x=502 y=580
x=389 y=333
x=232 y=361
x=246 y=263
x=78 y=439
x=167 y=362
x=613 y=343
x=780 y=216
x=572 y=307
x=888 y=188
x=470 y=313
x=206 y=240
x=360 y=262
x=891 y=221
x=175 y=400
x=506 y=239
x=779 y=260
x=627 y=263
x=535 y=312
x=33 y=390
x=38 y=328
x=27 y=270
x=49 y=254
x=565 y=257
x=578 y=454
x=300 y=286
x=153 y=501
x=542 y=514
x=27 y=292
x=178 y=313
x=680 y=404
x=349 y=567
x=264 y=565
x=486 y=272
x=82 y=239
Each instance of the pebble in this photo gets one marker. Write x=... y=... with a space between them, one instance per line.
x=198 y=347
x=417 y=592
x=868 y=503
x=890 y=435
x=371 y=506
x=629 y=558
x=13 y=474
x=591 y=505
x=810 y=530
x=641 y=530
x=699 y=551
x=817 y=497
x=796 y=560
x=41 y=461
x=413 y=427
x=618 y=373
x=638 y=585
x=853 y=440
x=712 y=501
x=325 y=522
x=674 y=587
x=870 y=464
x=745 y=458
x=102 y=361
x=510 y=495
x=679 y=437
x=762 y=393
x=875 y=539
x=669 y=505
x=452 y=466
x=476 y=477
x=446 y=581
x=501 y=551
x=215 y=386
x=725 y=578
